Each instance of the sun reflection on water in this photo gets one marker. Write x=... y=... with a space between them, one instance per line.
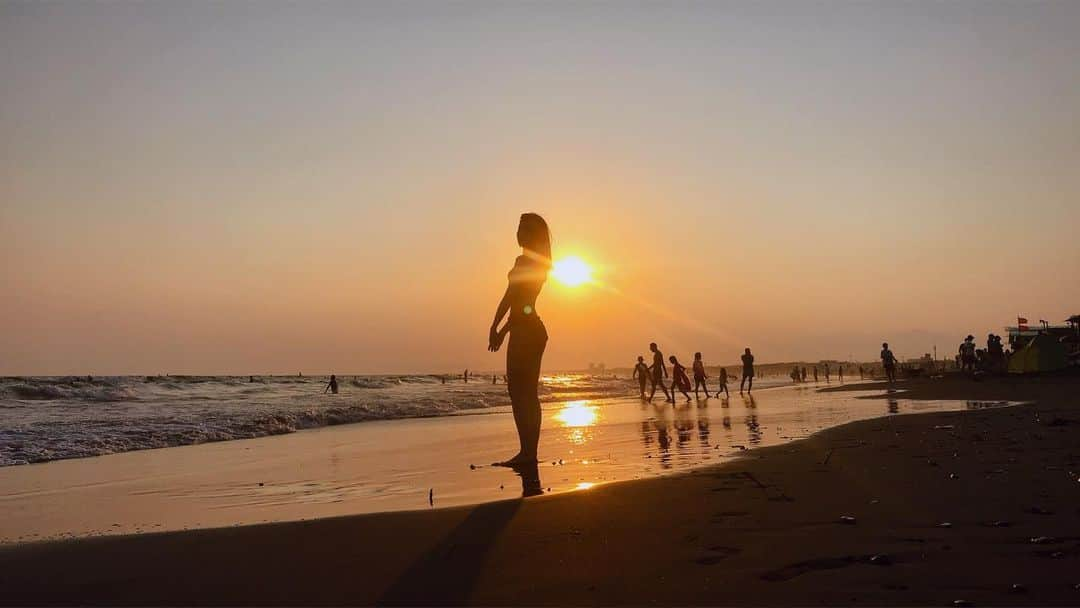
x=577 y=417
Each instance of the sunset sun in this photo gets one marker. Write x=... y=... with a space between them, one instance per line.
x=571 y=271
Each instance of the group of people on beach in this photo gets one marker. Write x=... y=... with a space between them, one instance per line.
x=680 y=381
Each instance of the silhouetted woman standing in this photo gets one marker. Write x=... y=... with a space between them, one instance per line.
x=528 y=337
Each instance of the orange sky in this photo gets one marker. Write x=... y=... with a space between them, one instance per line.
x=262 y=188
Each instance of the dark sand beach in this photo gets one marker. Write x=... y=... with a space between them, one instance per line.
x=980 y=506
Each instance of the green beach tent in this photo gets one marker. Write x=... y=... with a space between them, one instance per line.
x=1041 y=354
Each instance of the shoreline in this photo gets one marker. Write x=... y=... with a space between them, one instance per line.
x=408 y=464
x=763 y=529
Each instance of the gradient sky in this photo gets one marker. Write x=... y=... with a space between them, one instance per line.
x=255 y=187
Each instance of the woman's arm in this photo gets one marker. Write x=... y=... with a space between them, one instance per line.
x=496 y=335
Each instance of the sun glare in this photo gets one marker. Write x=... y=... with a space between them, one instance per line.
x=577 y=413
x=571 y=271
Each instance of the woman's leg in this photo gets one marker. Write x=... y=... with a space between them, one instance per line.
x=523 y=358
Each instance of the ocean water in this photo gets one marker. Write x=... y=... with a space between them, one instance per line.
x=52 y=418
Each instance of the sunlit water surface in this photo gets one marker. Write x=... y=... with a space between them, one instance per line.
x=415 y=463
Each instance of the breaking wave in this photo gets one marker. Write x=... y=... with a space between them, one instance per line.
x=43 y=419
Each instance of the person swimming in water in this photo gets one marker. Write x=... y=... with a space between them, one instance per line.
x=679 y=379
x=700 y=376
x=528 y=336
x=331 y=386
x=659 y=372
x=641 y=372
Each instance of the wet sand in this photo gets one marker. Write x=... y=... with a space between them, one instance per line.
x=409 y=464
x=765 y=529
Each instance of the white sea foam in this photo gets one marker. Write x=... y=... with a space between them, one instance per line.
x=50 y=418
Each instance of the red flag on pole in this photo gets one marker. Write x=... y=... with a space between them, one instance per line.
x=1021 y=322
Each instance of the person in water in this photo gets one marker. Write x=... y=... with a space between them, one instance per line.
x=332 y=385
x=679 y=379
x=659 y=372
x=723 y=383
x=747 y=371
x=699 y=375
x=641 y=372
x=528 y=336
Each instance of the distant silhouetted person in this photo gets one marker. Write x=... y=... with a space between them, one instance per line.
x=679 y=379
x=888 y=361
x=747 y=371
x=494 y=379
x=659 y=372
x=840 y=372
x=861 y=373
x=641 y=372
x=967 y=354
x=332 y=385
x=815 y=373
x=466 y=376
x=827 y=373
x=700 y=376
x=723 y=383
x=528 y=336
x=251 y=378
x=804 y=373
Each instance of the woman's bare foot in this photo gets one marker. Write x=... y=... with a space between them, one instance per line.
x=517 y=460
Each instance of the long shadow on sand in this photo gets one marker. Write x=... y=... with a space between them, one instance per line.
x=447 y=573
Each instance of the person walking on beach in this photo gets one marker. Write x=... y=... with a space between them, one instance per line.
x=700 y=376
x=528 y=336
x=840 y=373
x=659 y=372
x=332 y=385
x=679 y=379
x=815 y=373
x=747 y=370
x=641 y=372
x=888 y=362
x=723 y=383
x=826 y=372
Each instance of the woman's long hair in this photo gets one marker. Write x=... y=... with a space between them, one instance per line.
x=535 y=238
